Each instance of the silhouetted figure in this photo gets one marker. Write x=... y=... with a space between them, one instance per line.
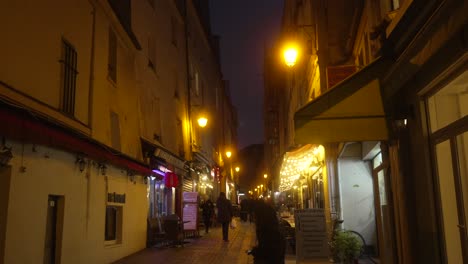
x=271 y=244
x=224 y=214
x=207 y=212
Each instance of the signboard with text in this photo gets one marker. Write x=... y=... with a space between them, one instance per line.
x=190 y=210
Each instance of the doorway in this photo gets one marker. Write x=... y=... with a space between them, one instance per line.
x=54 y=229
x=5 y=179
x=447 y=124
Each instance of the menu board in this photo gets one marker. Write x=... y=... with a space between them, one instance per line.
x=190 y=197
x=190 y=216
x=190 y=211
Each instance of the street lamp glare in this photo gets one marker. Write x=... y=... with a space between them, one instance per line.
x=202 y=121
x=290 y=56
x=237 y=169
x=265 y=176
x=228 y=154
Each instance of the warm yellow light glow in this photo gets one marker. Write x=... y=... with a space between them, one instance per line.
x=290 y=55
x=261 y=185
x=228 y=154
x=306 y=161
x=237 y=169
x=202 y=121
x=265 y=176
x=255 y=189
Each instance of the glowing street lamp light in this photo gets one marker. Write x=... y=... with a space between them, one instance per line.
x=228 y=154
x=265 y=176
x=202 y=121
x=290 y=54
x=237 y=169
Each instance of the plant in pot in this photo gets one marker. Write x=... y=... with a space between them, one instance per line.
x=346 y=247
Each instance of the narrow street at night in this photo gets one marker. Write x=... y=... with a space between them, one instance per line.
x=331 y=131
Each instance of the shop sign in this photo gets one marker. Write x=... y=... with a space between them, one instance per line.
x=171 y=180
x=116 y=198
x=168 y=157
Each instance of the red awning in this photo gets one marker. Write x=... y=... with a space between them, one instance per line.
x=23 y=127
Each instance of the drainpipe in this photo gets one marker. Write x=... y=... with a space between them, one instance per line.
x=90 y=115
x=91 y=69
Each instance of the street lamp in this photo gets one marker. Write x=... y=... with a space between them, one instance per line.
x=290 y=54
x=237 y=169
x=265 y=176
x=228 y=154
x=202 y=121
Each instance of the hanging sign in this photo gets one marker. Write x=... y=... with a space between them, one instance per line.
x=171 y=180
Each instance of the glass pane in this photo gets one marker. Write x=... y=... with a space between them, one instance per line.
x=382 y=191
x=377 y=160
x=448 y=203
x=450 y=103
x=462 y=144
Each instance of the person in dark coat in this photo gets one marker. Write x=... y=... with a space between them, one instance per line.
x=224 y=214
x=271 y=244
x=207 y=212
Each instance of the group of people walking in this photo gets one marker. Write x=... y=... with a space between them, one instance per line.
x=271 y=245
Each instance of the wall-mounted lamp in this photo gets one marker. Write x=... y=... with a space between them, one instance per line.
x=81 y=163
x=5 y=156
x=102 y=168
x=290 y=54
x=202 y=121
x=131 y=175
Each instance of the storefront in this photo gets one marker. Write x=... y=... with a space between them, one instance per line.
x=350 y=122
x=166 y=184
x=302 y=178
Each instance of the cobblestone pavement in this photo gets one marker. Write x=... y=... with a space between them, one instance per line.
x=208 y=249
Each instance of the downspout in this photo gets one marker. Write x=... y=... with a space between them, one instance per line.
x=90 y=116
x=91 y=68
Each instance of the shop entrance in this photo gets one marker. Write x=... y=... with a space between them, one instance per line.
x=447 y=121
x=5 y=178
x=451 y=162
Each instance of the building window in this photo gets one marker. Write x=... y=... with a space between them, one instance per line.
x=113 y=228
x=448 y=104
x=112 y=58
x=69 y=74
x=396 y=4
x=174 y=31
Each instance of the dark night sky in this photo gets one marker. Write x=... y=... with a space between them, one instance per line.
x=245 y=28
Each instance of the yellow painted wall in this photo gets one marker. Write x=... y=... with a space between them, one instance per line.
x=31 y=50
x=52 y=172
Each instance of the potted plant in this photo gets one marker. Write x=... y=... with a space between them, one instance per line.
x=346 y=247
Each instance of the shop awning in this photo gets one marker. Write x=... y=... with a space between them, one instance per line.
x=350 y=111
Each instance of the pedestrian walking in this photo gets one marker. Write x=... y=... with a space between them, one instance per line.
x=271 y=244
x=207 y=212
x=224 y=214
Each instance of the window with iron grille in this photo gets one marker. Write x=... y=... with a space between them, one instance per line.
x=69 y=74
